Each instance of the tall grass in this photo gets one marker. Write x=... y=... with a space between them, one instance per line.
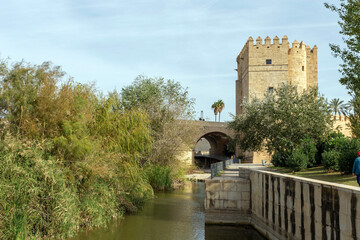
x=41 y=197
x=36 y=198
x=162 y=177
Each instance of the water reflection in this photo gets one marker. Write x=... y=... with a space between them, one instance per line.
x=178 y=215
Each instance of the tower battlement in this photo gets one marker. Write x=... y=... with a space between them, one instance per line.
x=264 y=64
x=268 y=41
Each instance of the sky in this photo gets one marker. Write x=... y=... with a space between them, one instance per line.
x=194 y=42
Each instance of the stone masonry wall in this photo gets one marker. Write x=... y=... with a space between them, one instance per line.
x=287 y=207
x=226 y=197
x=299 y=208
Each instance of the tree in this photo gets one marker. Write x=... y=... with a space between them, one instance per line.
x=353 y=115
x=349 y=23
x=218 y=106
x=348 y=12
x=347 y=109
x=221 y=105
x=216 y=109
x=282 y=120
x=169 y=108
x=337 y=106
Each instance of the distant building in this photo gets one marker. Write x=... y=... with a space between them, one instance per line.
x=262 y=67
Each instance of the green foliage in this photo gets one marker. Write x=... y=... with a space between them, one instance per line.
x=43 y=198
x=71 y=158
x=349 y=23
x=335 y=141
x=282 y=120
x=159 y=177
x=169 y=107
x=279 y=159
x=353 y=115
x=337 y=106
x=348 y=154
x=346 y=148
x=122 y=131
x=36 y=198
x=331 y=159
x=218 y=106
x=302 y=157
x=298 y=160
x=308 y=147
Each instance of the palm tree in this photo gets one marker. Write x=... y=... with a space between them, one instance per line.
x=337 y=106
x=221 y=106
x=216 y=110
x=347 y=109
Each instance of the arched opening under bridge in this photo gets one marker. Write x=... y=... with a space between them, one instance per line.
x=210 y=148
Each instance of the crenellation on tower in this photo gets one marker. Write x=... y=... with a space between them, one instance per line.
x=259 y=41
x=284 y=40
x=267 y=41
x=276 y=40
x=314 y=50
x=302 y=44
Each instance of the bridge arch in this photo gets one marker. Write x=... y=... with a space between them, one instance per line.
x=215 y=136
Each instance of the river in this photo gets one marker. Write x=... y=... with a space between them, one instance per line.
x=176 y=215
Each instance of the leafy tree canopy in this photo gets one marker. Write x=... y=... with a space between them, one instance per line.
x=169 y=106
x=349 y=23
x=282 y=120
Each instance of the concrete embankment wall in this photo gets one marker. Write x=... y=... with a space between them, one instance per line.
x=284 y=207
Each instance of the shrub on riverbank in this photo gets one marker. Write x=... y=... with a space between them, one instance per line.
x=340 y=153
x=159 y=177
x=70 y=157
x=42 y=197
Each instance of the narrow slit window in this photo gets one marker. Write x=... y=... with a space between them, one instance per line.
x=303 y=68
x=268 y=61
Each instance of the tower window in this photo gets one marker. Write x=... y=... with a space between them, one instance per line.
x=268 y=61
x=303 y=68
x=271 y=89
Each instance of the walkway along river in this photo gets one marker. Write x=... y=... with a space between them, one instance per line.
x=177 y=215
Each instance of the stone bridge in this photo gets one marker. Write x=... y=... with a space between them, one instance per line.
x=217 y=135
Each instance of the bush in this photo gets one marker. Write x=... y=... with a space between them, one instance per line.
x=298 y=161
x=308 y=147
x=346 y=148
x=36 y=196
x=278 y=159
x=159 y=177
x=330 y=160
x=348 y=154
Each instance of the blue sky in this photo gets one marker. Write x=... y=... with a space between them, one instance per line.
x=193 y=42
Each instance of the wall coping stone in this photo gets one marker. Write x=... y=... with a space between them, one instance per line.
x=310 y=180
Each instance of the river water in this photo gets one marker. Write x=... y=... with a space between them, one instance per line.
x=176 y=215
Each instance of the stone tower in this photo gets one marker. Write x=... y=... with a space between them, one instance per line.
x=262 y=67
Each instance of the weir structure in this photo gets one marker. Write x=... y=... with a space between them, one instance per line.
x=283 y=206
